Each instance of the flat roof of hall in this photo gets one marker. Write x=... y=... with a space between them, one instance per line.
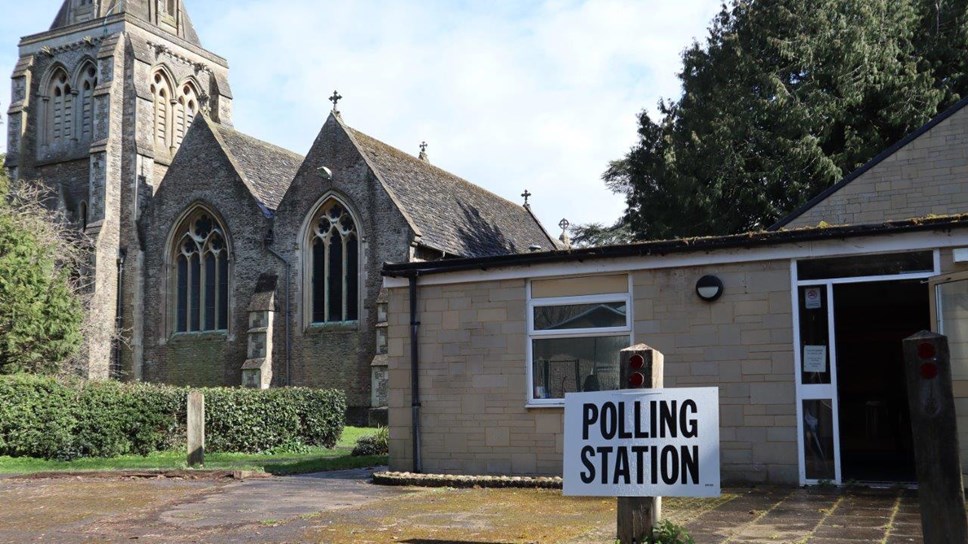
x=681 y=245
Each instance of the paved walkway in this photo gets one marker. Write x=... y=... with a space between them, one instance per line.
x=812 y=516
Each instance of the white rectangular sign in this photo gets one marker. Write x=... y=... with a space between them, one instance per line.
x=642 y=443
x=815 y=358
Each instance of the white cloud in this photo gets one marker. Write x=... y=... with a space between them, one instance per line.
x=510 y=95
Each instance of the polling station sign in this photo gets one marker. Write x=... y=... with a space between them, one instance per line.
x=642 y=443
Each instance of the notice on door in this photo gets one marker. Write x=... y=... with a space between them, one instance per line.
x=811 y=298
x=814 y=358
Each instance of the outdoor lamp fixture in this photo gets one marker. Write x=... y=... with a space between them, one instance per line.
x=709 y=288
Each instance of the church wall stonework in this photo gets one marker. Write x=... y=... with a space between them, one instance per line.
x=112 y=168
x=205 y=177
x=338 y=354
x=140 y=185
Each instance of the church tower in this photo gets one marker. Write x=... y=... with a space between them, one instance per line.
x=100 y=104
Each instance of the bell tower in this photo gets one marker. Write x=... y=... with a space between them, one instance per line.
x=100 y=103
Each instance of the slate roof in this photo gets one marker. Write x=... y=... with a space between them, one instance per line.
x=137 y=8
x=451 y=214
x=266 y=169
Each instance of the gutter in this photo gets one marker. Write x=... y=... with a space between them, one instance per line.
x=119 y=317
x=414 y=373
x=683 y=245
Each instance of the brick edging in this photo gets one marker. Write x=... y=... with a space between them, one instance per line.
x=464 y=481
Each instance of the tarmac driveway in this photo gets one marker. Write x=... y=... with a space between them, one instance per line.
x=343 y=507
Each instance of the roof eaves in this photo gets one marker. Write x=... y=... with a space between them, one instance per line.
x=869 y=164
x=663 y=247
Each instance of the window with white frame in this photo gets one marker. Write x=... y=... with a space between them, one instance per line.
x=574 y=339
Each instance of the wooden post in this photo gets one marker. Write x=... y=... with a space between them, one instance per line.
x=636 y=516
x=927 y=364
x=196 y=428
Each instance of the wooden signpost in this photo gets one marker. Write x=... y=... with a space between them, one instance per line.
x=641 y=442
x=927 y=365
x=636 y=516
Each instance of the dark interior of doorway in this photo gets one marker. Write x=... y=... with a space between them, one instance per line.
x=871 y=319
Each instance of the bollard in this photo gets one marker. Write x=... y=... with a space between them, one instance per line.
x=640 y=367
x=196 y=428
x=927 y=368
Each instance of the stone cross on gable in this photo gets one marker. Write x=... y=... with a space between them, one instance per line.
x=335 y=99
x=526 y=196
x=423 y=152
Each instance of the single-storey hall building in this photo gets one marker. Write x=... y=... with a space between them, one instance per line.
x=804 y=342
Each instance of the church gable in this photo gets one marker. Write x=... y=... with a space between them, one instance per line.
x=213 y=155
x=921 y=175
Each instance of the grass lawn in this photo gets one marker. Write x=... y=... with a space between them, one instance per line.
x=313 y=460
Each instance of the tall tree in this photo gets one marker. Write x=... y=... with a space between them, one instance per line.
x=40 y=312
x=783 y=99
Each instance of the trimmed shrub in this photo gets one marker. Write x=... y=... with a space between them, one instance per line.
x=237 y=420
x=373 y=444
x=37 y=417
x=63 y=419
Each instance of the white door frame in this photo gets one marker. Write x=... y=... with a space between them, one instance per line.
x=829 y=391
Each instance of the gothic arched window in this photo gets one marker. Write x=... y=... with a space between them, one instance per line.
x=185 y=111
x=86 y=82
x=334 y=264
x=161 y=92
x=58 y=111
x=200 y=274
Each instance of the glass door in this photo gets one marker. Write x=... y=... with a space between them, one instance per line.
x=814 y=283
x=817 y=384
x=949 y=316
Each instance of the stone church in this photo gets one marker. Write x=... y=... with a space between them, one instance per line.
x=217 y=258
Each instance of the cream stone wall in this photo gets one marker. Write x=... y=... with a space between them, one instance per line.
x=741 y=343
x=472 y=383
x=472 y=346
x=927 y=176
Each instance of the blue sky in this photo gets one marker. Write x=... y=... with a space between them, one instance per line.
x=510 y=95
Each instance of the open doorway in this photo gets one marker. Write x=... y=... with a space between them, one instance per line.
x=870 y=320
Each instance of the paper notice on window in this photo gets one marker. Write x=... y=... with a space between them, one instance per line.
x=814 y=358
x=811 y=298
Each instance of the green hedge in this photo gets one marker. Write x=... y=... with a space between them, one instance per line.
x=56 y=419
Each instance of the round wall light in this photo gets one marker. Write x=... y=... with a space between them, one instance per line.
x=709 y=288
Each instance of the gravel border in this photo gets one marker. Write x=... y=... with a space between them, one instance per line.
x=464 y=481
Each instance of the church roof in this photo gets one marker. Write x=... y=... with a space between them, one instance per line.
x=265 y=168
x=137 y=8
x=451 y=214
